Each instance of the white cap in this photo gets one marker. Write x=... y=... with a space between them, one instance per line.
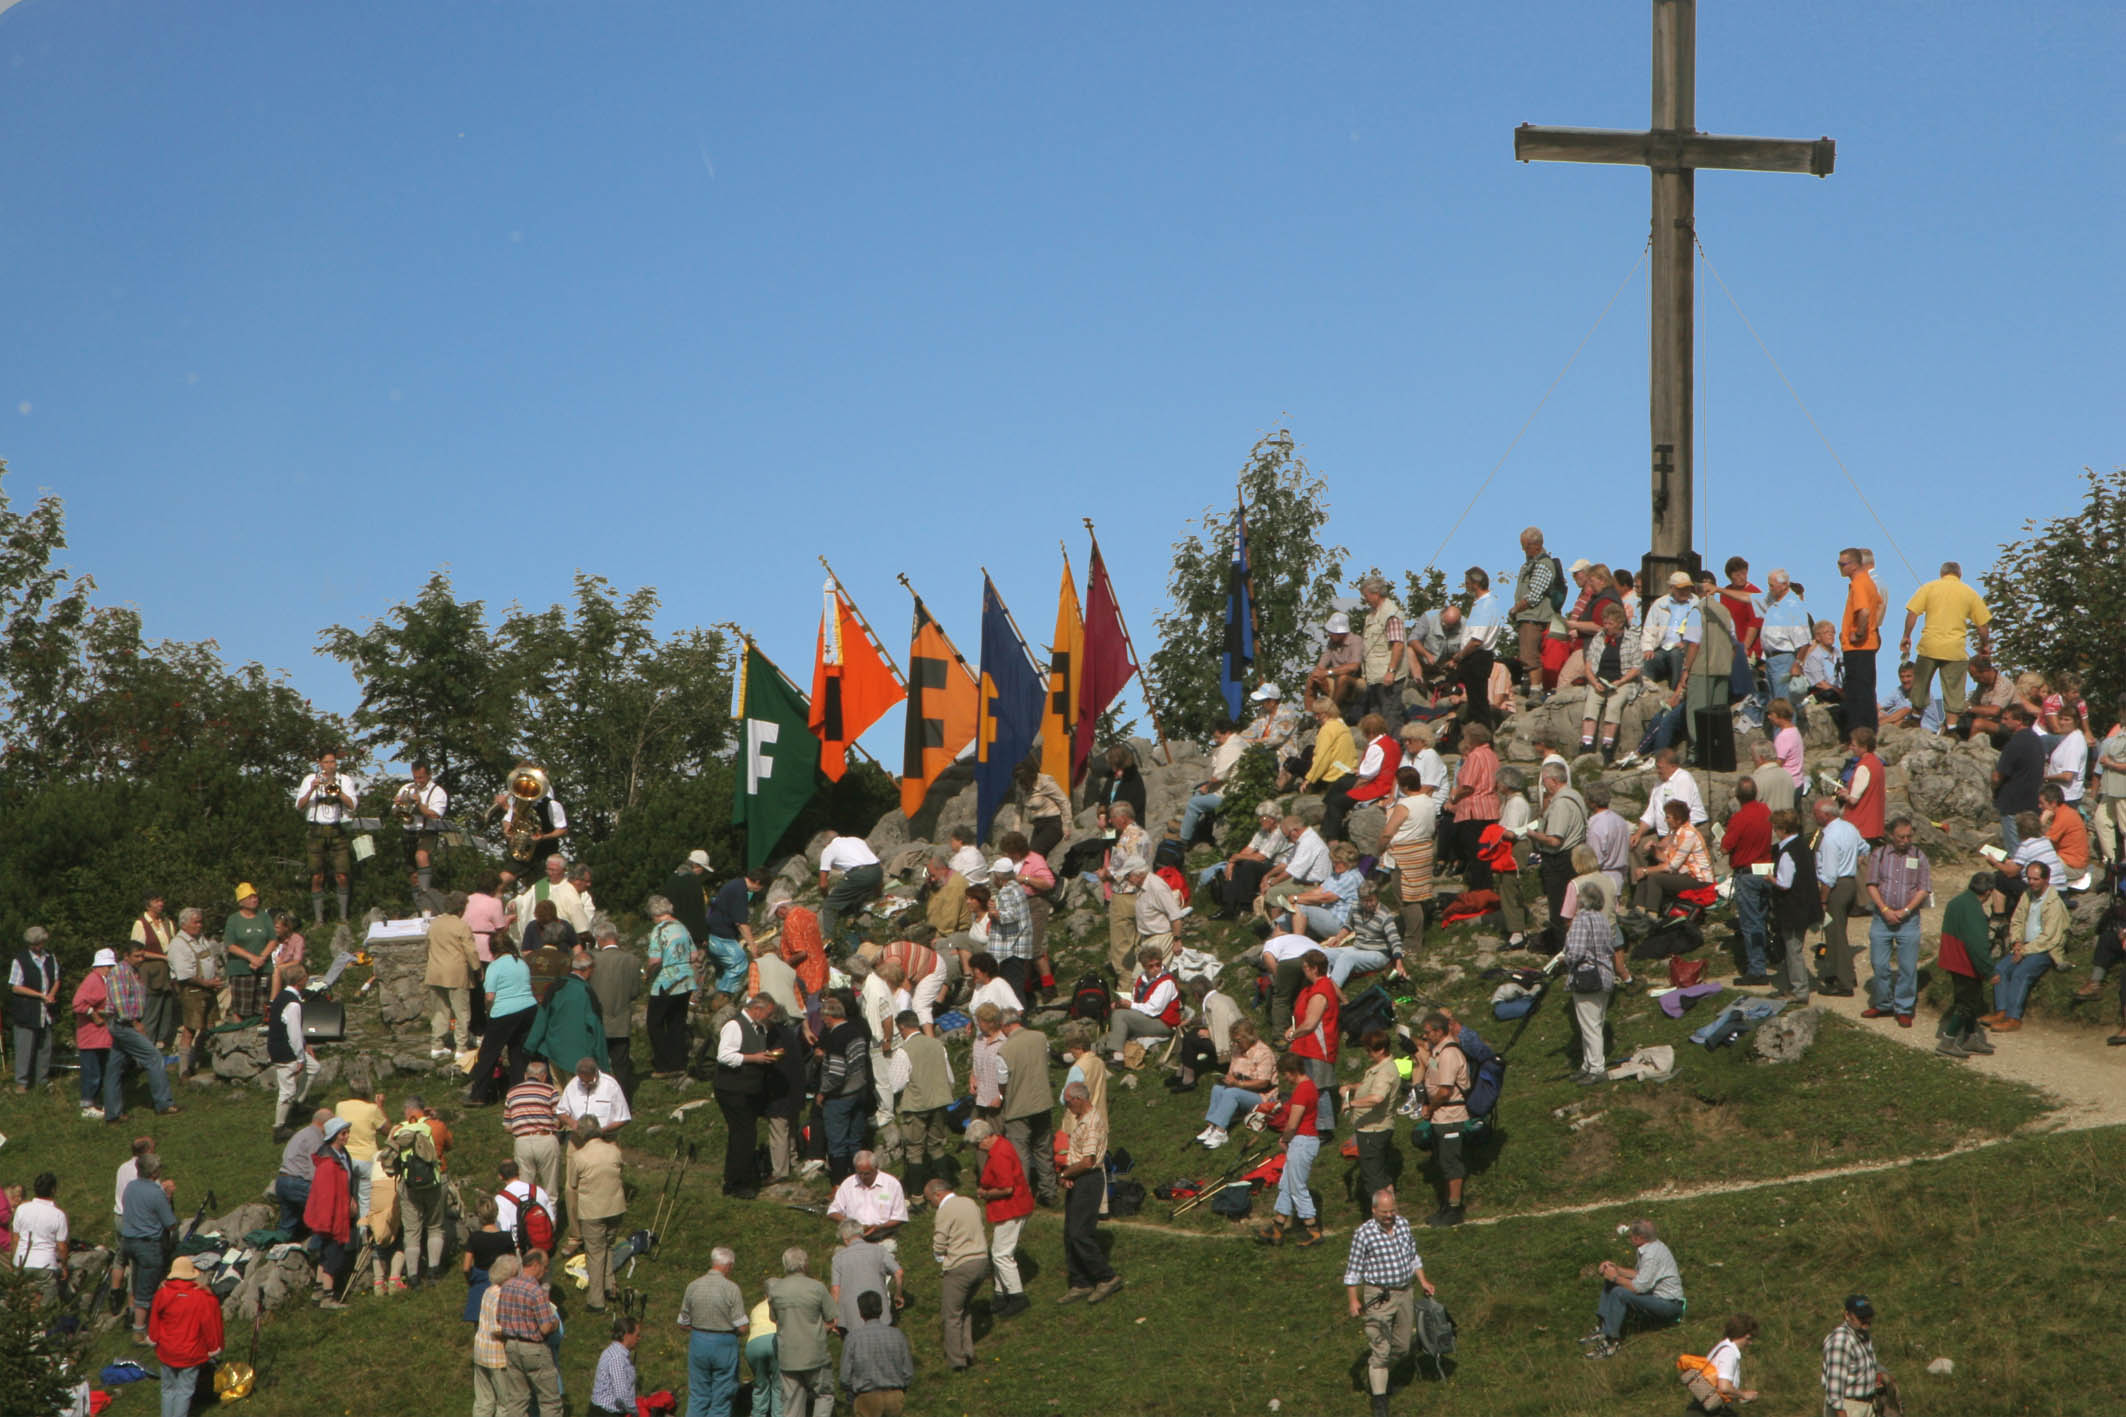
x=698 y=857
x=104 y=959
x=1002 y=867
x=1339 y=624
x=1266 y=693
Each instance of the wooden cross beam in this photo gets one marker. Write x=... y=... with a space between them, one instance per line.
x=1673 y=149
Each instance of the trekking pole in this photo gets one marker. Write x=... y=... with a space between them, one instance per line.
x=1247 y=1160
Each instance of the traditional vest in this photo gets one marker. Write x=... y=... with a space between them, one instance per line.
x=1797 y=908
x=279 y=1046
x=745 y=1079
x=1377 y=645
x=1382 y=783
x=929 y=1076
x=1171 y=1014
x=1866 y=814
x=39 y=975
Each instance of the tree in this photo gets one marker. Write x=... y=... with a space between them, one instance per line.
x=45 y=612
x=436 y=685
x=33 y=1354
x=1295 y=580
x=2055 y=593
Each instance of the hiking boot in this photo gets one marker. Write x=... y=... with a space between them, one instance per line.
x=1273 y=1233
x=1105 y=1289
x=1444 y=1217
x=2008 y=1025
x=1072 y=1296
x=1311 y=1234
x=1975 y=1042
x=1949 y=1048
x=1380 y=1404
x=1010 y=1306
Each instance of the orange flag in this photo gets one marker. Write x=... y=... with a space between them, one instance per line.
x=1066 y=659
x=852 y=685
x=942 y=705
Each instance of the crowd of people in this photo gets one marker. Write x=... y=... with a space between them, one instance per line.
x=832 y=1041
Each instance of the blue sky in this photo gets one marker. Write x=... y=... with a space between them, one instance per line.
x=304 y=301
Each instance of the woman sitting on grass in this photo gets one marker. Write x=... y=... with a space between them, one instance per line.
x=1252 y=1072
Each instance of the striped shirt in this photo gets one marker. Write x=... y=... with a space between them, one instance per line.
x=531 y=1109
x=1384 y=1257
x=1900 y=877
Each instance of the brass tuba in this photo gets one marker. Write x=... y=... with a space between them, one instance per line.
x=527 y=784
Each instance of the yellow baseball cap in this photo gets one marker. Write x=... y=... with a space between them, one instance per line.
x=245 y=891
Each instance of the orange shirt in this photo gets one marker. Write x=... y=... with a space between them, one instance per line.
x=2070 y=838
x=1861 y=597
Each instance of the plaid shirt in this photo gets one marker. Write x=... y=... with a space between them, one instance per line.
x=522 y=1309
x=129 y=994
x=487 y=1350
x=1387 y=1258
x=1011 y=928
x=1849 y=1365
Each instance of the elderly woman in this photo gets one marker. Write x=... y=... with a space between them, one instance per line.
x=1373 y=780
x=1615 y=667
x=1587 y=870
x=1239 y=876
x=1594 y=964
x=673 y=971
x=1474 y=804
x=1328 y=906
x=1407 y=841
x=1516 y=815
x=1131 y=850
x=1685 y=863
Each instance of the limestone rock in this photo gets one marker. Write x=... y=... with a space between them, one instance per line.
x=1785 y=1038
x=907 y=862
x=401 y=969
x=1364 y=826
x=1308 y=807
x=816 y=847
x=1942 y=1367
x=252 y=1215
x=240 y=1056
x=888 y=834
x=1944 y=784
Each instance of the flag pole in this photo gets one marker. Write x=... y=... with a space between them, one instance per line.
x=869 y=633
x=1135 y=662
x=902 y=577
x=1240 y=533
x=1031 y=663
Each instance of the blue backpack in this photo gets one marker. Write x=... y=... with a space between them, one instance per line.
x=1487 y=1075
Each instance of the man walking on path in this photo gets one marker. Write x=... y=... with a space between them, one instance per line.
x=1378 y=1275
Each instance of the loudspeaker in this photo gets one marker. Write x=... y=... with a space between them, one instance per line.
x=324 y=1021
x=1712 y=732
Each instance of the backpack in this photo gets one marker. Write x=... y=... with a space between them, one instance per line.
x=1234 y=1201
x=534 y=1229
x=1558 y=581
x=1091 y=998
x=418 y=1166
x=1487 y=1075
x=1370 y=1010
x=1124 y=1197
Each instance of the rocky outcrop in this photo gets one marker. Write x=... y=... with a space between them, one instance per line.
x=1947 y=780
x=1786 y=1037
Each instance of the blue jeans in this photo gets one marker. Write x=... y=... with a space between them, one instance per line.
x=137 y=1050
x=1778 y=668
x=2012 y=981
x=293 y=1196
x=1618 y=1302
x=93 y=1061
x=732 y=964
x=712 y=1373
x=1194 y=812
x=1293 y=1197
x=1350 y=960
x=1753 y=900
x=1322 y=921
x=177 y=1388
x=1898 y=993
x=845 y=1125
x=1229 y=1105
x=2010 y=837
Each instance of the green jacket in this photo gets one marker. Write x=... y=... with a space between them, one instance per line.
x=569 y=1028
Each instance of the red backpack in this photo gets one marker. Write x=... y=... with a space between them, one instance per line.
x=535 y=1224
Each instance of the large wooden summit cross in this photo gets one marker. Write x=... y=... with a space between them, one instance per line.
x=1674 y=149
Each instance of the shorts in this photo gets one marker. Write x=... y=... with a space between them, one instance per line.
x=1447 y=1150
x=202 y=1006
x=428 y=841
x=324 y=840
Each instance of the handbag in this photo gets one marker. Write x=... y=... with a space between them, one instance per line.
x=1685 y=972
x=1587 y=979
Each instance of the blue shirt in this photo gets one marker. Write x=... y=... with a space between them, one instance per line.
x=1838 y=851
x=672 y=951
x=509 y=980
x=1482 y=624
x=613 y=1388
x=1345 y=884
x=1786 y=627
x=147 y=1211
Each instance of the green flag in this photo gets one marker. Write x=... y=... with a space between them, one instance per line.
x=778 y=757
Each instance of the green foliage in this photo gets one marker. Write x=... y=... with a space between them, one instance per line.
x=1295 y=579
x=1253 y=779
x=1426 y=590
x=32 y=1363
x=2054 y=593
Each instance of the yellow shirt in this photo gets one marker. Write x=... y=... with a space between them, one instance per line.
x=1335 y=755
x=1947 y=604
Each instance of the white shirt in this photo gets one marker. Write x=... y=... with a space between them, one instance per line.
x=570 y=904
x=729 y=1044
x=40 y=1229
x=603 y=1100
x=191 y=957
x=431 y=798
x=1310 y=858
x=1226 y=756
x=1431 y=770
x=997 y=991
x=292 y=1025
x=968 y=861
x=1481 y=626
x=846 y=853
x=127 y=1174
x=880 y=1203
x=507 y=1198
x=1154 y=1003
x=2071 y=755
x=1680 y=787
x=1280 y=948
x=1726 y=1359
x=326 y=811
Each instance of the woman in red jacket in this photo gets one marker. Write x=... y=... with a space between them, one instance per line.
x=329 y=1212
x=184 y=1324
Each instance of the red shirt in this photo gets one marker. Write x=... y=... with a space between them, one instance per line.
x=1742 y=609
x=1320 y=1040
x=1306 y=1099
x=185 y=1322
x=1748 y=838
x=1000 y=1170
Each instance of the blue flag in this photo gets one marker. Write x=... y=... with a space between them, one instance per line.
x=1009 y=709
x=1239 y=657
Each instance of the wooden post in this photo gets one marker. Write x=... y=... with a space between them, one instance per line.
x=1675 y=86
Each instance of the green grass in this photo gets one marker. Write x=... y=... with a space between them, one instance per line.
x=1992 y=1258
